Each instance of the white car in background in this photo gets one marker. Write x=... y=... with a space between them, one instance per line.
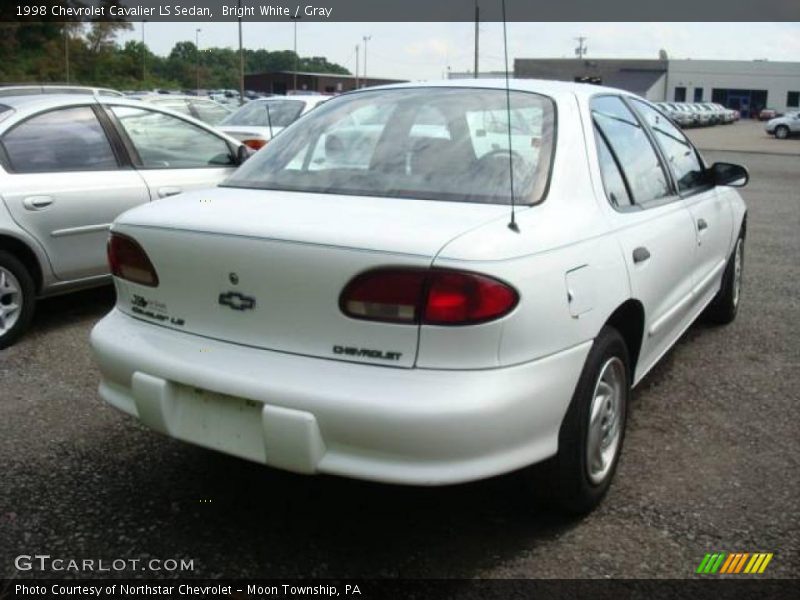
x=785 y=126
x=69 y=165
x=258 y=121
x=444 y=310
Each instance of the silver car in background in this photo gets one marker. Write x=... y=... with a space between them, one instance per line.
x=258 y=121
x=785 y=126
x=69 y=165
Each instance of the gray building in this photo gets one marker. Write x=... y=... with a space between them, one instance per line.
x=747 y=86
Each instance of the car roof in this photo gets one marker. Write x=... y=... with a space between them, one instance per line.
x=299 y=97
x=167 y=97
x=547 y=87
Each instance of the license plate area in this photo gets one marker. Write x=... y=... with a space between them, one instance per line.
x=219 y=421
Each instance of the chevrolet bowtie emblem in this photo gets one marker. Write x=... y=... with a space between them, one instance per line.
x=237 y=301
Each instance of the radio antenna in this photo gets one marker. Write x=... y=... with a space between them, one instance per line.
x=269 y=121
x=512 y=225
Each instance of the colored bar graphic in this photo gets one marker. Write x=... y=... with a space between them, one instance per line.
x=703 y=563
x=727 y=564
x=764 y=564
x=735 y=562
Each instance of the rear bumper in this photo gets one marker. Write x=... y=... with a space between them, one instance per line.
x=312 y=415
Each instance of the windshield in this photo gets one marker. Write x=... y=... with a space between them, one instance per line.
x=282 y=113
x=418 y=143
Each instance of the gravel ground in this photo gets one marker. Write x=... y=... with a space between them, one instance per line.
x=711 y=462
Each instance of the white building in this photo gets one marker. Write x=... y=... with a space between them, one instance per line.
x=747 y=86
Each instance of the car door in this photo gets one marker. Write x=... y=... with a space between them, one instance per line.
x=173 y=155
x=651 y=223
x=66 y=184
x=710 y=209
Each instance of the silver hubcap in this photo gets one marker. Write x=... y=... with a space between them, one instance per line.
x=780 y=132
x=737 y=272
x=10 y=300
x=605 y=417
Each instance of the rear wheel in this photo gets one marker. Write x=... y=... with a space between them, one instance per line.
x=725 y=305
x=591 y=435
x=781 y=132
x=17 y=293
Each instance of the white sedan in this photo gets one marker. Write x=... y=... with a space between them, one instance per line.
x=442 y=309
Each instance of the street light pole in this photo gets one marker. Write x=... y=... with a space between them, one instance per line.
x=197 y=58
x=366 y=39
x=477 y=34
x=144 y=55
x=357 y=48
x=66 y=50
x=241 y=58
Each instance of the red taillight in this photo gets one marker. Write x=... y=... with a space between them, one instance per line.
x=129 y=261
x=255 y=143
x=427 y=296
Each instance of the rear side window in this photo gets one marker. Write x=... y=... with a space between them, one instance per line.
x=613 y=181
x=681 y=156
x=630 y=145
x=68 y=139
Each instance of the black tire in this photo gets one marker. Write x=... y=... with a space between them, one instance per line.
x=564 y=482
x=25 y=298
x=781 y=132
x=725 y=305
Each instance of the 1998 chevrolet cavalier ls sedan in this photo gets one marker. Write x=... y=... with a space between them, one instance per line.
x=359 y=299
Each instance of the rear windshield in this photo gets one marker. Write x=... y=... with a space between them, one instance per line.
x=417 y=143
x=282 y=113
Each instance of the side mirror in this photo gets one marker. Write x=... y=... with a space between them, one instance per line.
x=729 y=174
x=242 y=154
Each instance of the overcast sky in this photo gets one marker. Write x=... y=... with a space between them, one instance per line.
x=417 y=51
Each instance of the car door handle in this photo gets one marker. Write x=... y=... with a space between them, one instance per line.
x=701 y=224
x=168 y=191
x=640 y=254
x=37 y=202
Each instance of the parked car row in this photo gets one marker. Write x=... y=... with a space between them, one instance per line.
x=420 y=284
x=698 y=114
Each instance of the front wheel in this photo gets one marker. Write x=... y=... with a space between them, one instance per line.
x=781 y=132
x=17 y=293
x=591 y=435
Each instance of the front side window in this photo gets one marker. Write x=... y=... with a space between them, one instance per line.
x=282 y=113
x=68 y=139
x=420 y=143
x=681 y=156
x=166 y=142
x=628 y=141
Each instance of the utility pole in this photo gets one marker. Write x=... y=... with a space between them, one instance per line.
x=357 y=47
x=366 y=39
x=241 y=57
x=197 y=57
x=581 y=49
x=477 y=34
x=66 y=50
x=144 y=55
